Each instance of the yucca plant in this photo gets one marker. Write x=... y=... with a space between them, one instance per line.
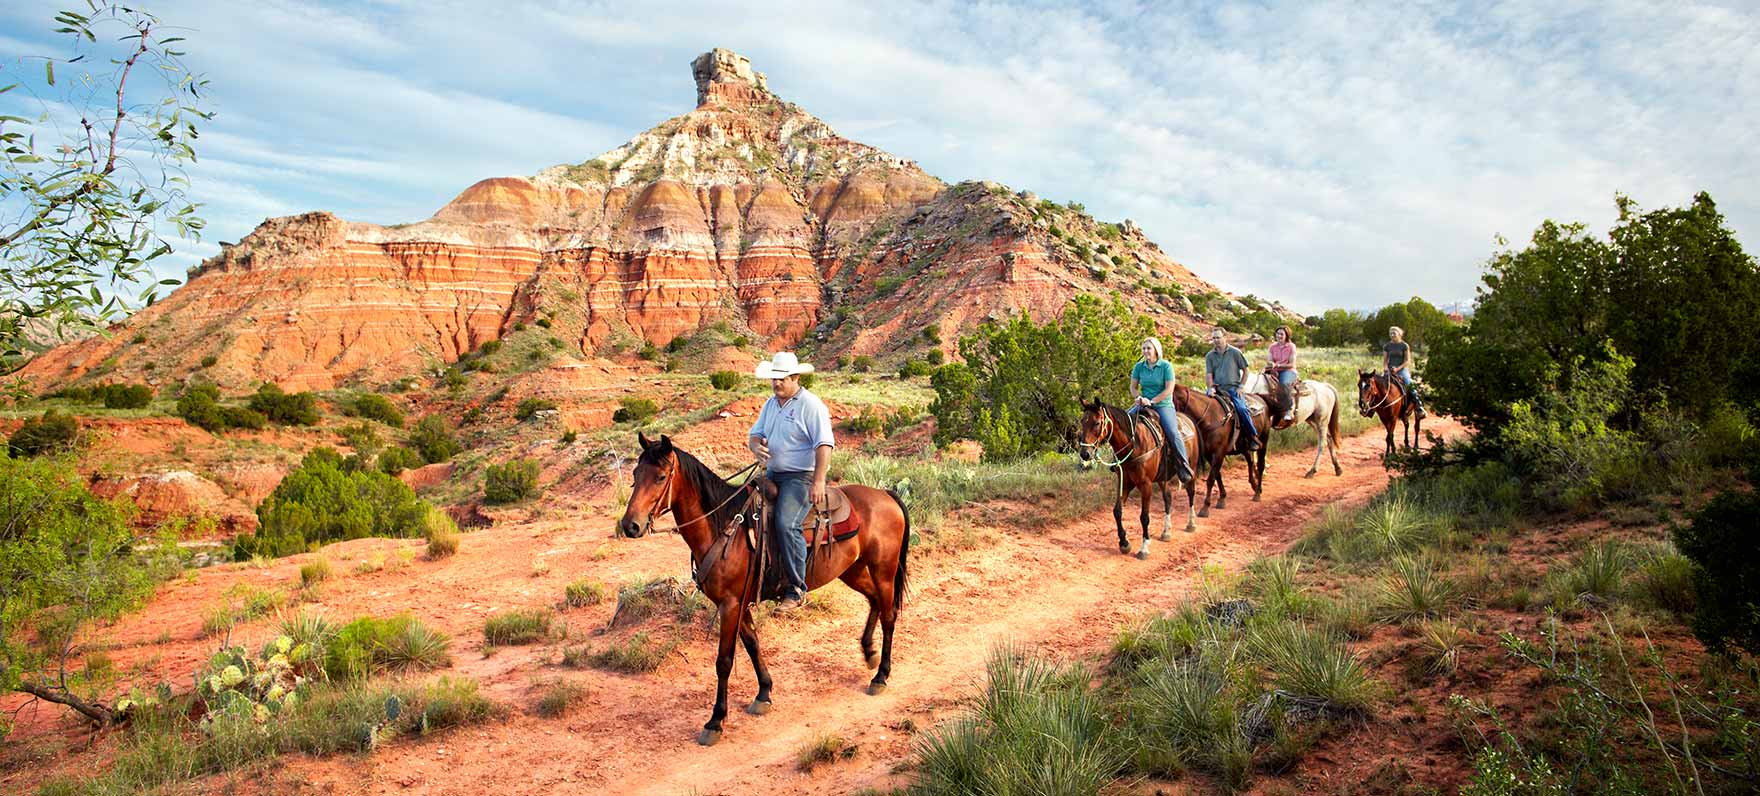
x=1414 y=590
x=1308 y=661
x=414 y=645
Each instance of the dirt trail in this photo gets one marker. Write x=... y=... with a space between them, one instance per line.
x=1064 y=589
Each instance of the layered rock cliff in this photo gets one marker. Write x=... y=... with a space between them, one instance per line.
x=747 y=211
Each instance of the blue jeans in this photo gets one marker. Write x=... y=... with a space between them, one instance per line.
x=1405 y=375
x=1240 y=407
x=1170 y=426
x=793 y=501
x=1287 y=378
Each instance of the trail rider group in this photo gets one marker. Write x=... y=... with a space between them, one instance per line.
x=777 y=536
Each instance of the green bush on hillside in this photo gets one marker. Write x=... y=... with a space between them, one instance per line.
x=200 y=406
x=51 y=432
x=288 y=409
x=374 y=406
x=510 y=482
x=1725 y=553
x=530 y=407
x=724 y=379
x=636 y=410
x=915 y=368
x=397 y=459
x=433 y=438
x=321 y=501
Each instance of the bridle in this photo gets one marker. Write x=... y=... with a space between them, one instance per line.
x=1388 y=395
x=1106 y=426
x=663 y=505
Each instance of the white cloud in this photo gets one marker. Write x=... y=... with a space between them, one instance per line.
x=1322 y=153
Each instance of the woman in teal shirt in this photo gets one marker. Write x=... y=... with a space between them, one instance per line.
x=1152 y=381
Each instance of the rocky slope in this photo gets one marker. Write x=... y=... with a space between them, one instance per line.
x=745 y=213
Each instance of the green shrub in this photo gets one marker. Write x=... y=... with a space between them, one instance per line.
x=583 y=592
x=1018 y=390
x=915 y=368
x=52 y=432
x=1415 y=590
x=489 y=348
x=808 y=380
x=936 y=358
x=530 y=407
x=242 y=417
x=441 y=532
x=1725 y=553
x=289 y=409
x=374 y=406
x=632 y=409
x=569 y=436
x=519 y=626
x=558 y=696
x=320 y=501
x=315 y=571
x=369 y=646
x=395 y=460
x=863 y=363
x=650 y=352
x=1035 y=728
x=638 y=654
x=724 y=379
x=887 y=285
x=510 y=482
x=1666 y=582
x=210 y=360
x=677 y=344
x=434 y=440
x=124 y=396
x=826 y=748
x=544 y=322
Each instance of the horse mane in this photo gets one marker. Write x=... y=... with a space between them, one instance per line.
x=712 y=489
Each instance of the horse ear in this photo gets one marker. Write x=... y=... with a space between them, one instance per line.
x=643 y=439
x=665 y=444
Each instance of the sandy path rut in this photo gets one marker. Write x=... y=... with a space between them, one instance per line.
x=1064 y=589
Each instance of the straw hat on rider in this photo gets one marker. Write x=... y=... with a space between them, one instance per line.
x=781 y=365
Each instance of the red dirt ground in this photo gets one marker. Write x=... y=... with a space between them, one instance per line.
x=1062 y=588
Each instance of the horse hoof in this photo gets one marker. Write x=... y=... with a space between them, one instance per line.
x=1167 y=536
x=876 y=689
x=708 y=737
x=1338 y=471
x=1257 y=497
x=1142 y=555
x=1310 y=474
x=758 y=707
x=873 y=659
x=1204 y=512
x=1191 y=528
x=1222 y=504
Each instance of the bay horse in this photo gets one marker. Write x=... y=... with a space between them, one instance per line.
x=1317 y=406
x=1216 y=440
x=1137 y=459
x=714 y=518
x=1382 y=395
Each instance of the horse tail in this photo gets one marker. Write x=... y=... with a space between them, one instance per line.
x=899 y=578
x=1332 y=424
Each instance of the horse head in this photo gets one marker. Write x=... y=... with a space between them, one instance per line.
x=1369 y=390
x=1094 y=429
x=651 y=488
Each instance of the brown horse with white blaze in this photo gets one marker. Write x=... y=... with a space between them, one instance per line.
x=715 y=518
x=1137 y=459
x=1381 y=395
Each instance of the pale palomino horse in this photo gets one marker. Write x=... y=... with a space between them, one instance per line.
x=1316 y=405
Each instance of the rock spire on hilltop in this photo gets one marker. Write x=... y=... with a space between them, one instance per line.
x=747 y=212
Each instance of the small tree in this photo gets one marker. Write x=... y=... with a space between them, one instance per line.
x=67 y=560
x=94 y=206
x=1726 y=570
x=530 y=407
x=293 y=409
x=51 y=433
x=433 y=438
x=510 y=482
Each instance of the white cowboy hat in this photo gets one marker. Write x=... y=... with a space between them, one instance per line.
x=781 y=365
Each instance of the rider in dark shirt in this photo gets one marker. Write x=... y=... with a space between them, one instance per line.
x=1397 y=356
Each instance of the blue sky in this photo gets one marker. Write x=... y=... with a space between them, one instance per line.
x=1324 y=154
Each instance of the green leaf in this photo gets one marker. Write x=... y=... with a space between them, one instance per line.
x=49 y=71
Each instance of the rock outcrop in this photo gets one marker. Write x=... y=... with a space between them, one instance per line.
x=747 y=211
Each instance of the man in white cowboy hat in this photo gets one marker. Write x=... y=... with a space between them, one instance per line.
x=793 y=440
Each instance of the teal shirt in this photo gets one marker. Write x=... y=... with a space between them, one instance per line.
x=1153 y=379
x=1225 y=366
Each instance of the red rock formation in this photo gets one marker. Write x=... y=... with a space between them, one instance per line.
x=746 y=210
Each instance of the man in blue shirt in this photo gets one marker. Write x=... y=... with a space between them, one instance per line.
x=1225 y=367
x=792 y=438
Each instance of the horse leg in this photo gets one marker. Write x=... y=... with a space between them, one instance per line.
x=1143 y=552
x=1166 y=512
x=1191 y=504
x=748 y=635
x=1209 y=488
x=1256 y=469
x=1124 y=545
x=723 y=667
x=1319 y=447
x=883 y=594
x=1222 y=483
x=856 y=577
